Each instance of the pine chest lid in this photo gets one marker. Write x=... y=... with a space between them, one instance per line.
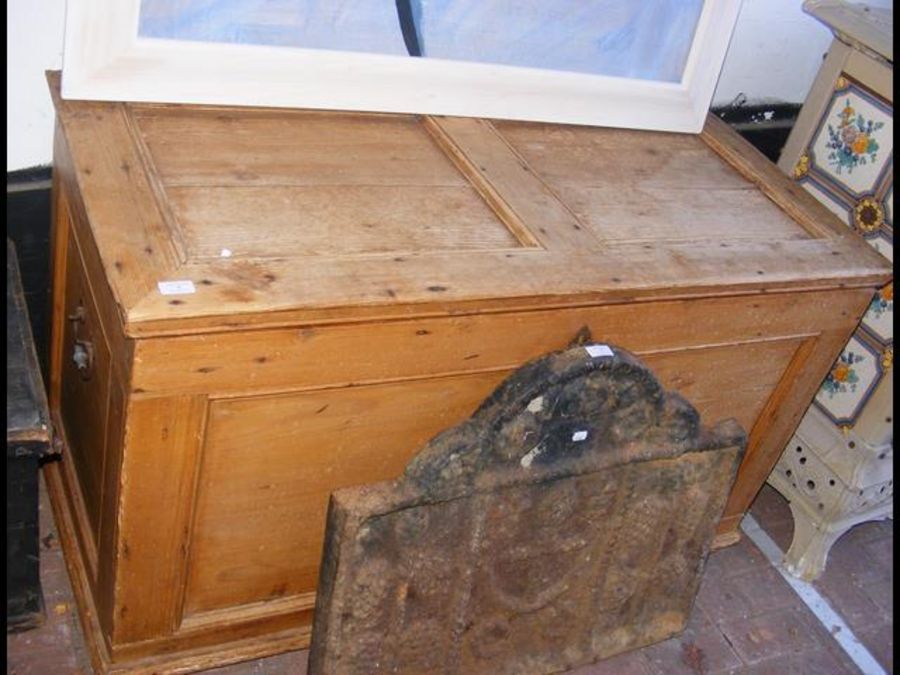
x=212 y=218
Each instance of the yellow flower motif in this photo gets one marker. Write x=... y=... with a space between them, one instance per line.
x=841 y=83
x=841 y=372
x=802 y=167
x=887 y=358
x=860 y=144
x=868 y=215
x=887 y=293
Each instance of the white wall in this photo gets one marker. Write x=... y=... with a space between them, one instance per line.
x=34 y=40
x=775 y=52
x=774 y=55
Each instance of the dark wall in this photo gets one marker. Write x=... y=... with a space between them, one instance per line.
x=28 y=225
x=28 y=208
x=765 y=126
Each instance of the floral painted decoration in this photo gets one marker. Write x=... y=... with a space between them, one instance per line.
x=883 y=301
x=802 y=167
x=868 y=215
x=843 y=377
x=852 y=143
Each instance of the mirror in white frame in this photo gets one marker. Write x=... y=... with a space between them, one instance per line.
x=645 y=64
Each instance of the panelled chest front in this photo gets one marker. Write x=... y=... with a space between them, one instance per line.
x=256 y=307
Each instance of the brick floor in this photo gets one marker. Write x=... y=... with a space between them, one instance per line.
x=747 y=619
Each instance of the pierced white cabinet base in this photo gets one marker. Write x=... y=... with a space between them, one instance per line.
x=837 y=470
x=833 y=481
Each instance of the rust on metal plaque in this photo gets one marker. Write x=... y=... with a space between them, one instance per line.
x=566 y=521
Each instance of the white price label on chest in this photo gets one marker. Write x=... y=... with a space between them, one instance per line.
x=598 y=350
x=184 y=287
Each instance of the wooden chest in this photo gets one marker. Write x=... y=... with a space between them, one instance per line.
x=255 y=307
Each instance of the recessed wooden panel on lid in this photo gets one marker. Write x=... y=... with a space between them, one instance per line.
x=633 y=186
x=263 y=185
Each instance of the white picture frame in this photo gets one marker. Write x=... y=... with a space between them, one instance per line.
x=105 y=59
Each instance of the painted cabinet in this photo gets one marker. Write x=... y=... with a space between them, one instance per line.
x=837 y=470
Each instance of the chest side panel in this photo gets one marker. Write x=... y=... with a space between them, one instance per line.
x=90 y=365
x=85 y=388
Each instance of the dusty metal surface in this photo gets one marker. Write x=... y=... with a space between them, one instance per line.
x=27 y=416
x=566 y=521
x=27 y=439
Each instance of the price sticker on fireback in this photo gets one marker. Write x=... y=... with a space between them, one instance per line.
x=596 y=351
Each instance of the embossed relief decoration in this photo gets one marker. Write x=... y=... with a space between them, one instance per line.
x=566 y=521
x=882 y=240
x=849 y=167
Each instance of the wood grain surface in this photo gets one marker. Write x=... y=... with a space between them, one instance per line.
x=382 y=274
